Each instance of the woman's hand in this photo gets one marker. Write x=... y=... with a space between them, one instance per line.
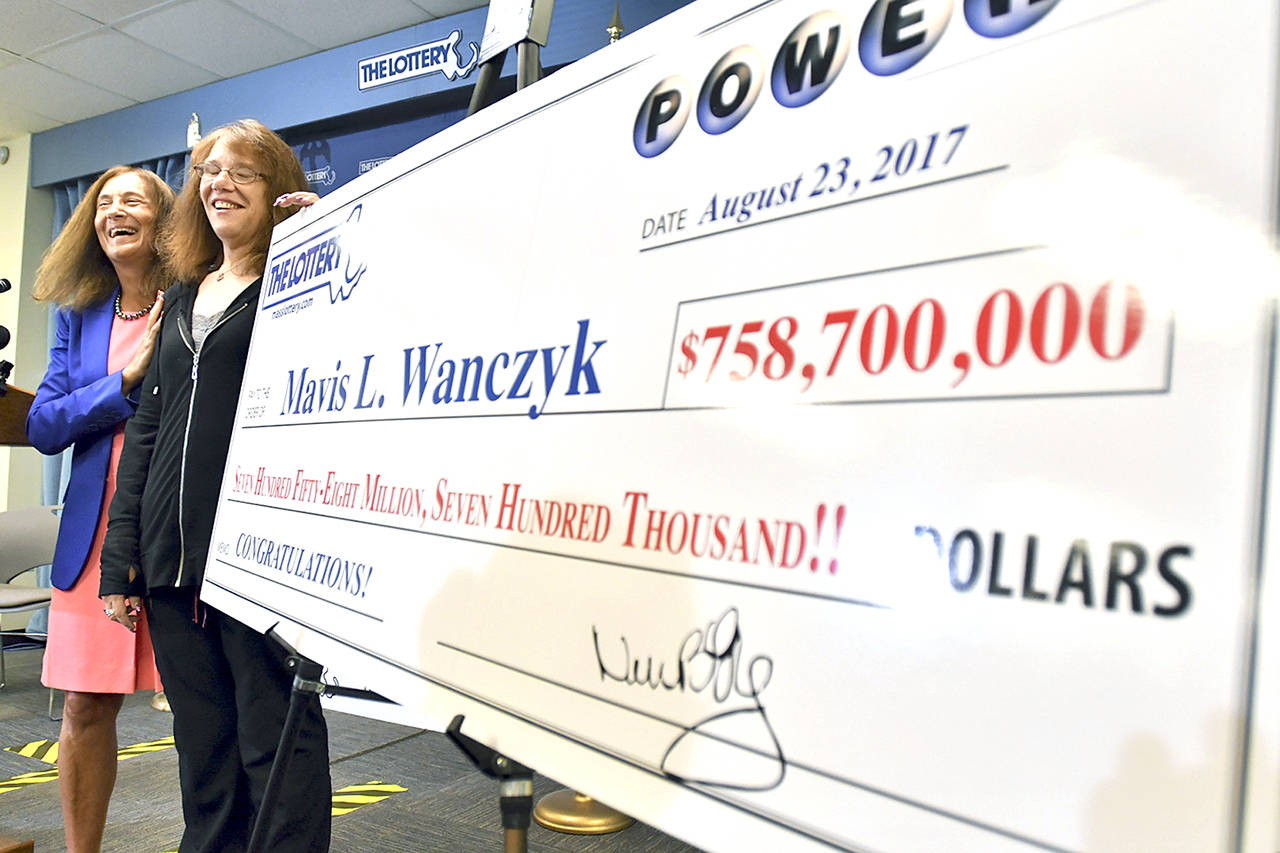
x=136 y=370
x=298 y=199
x=123 y=609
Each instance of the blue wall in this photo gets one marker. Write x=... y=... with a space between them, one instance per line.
x=319 y=89
x=333 y=157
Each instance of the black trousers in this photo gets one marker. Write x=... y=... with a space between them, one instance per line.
x=229 y=692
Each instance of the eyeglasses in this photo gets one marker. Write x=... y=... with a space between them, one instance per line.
x=240 y=174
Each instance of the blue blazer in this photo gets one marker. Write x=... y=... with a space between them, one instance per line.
x=79 y=403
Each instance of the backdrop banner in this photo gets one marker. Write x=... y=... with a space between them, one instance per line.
x=331 y=159
x=807 y=427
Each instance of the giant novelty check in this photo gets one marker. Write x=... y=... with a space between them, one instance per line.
x=808 y=426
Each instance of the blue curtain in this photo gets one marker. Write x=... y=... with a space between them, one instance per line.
x=57 y=469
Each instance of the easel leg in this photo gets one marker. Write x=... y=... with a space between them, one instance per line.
x=515 y=786
x=306 y=683
x=486 y=83
x=515 y=800
x=528 y=63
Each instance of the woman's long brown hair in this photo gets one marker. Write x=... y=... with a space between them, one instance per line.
x=75 y=272
x=188 y=242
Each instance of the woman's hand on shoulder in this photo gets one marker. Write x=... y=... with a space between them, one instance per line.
x=136 y=369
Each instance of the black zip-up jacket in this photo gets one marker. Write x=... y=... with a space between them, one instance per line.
x=175 y=449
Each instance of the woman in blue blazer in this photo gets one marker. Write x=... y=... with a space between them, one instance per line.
x=104 y=274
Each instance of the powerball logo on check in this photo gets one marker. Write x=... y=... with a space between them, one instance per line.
x=324 y=261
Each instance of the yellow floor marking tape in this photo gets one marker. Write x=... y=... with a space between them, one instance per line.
x=352 y=797
x=47 y=751
x=348 y=799
x=144 y=748
x=40 y=750
x=28 y=779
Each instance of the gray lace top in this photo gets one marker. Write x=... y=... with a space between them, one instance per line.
x=200 y=326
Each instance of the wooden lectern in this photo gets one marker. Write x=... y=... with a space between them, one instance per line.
x=14 y=405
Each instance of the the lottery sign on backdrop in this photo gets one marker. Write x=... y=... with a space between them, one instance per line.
x=807 y=427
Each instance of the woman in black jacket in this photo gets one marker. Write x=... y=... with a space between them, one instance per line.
x=226 y=683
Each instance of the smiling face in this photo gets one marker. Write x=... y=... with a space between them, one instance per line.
x=238 y=213
x=125 y=220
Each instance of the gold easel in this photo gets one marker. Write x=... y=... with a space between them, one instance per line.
x=577 y=814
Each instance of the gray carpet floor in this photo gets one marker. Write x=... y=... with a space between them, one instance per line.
x=446 y=804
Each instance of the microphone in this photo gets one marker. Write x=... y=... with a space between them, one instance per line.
x=5 y=285
x=5 y=366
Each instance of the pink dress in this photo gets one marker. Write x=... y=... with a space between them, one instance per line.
x=86 y=652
